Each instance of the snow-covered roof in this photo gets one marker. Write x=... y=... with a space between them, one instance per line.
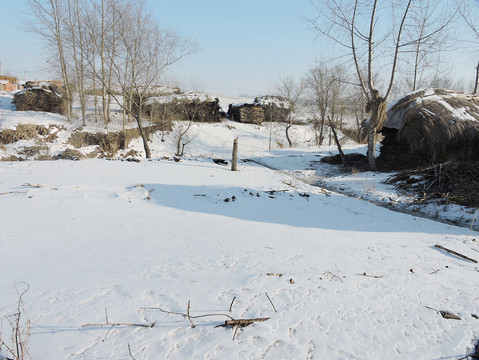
x=455 y=105
x=187 y=96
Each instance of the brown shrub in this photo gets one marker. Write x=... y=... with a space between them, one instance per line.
x=70 y=154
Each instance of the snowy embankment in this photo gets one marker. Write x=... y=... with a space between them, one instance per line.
x=99 y=238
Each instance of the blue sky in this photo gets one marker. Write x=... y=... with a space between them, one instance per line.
x=246 y=46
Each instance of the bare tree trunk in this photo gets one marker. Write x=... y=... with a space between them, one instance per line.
x=476 y=84
x=142 y=132
x=340 y=150
x=378 y=115
x=106 y=117
x=289 y=126
x=59 y=43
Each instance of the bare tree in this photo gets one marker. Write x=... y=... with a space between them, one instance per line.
x=291 y=90
x=362 y=29
x=76 y=39
x=48 y=18
x=422 y=64
x=469 y=12
x=131 y=53
x=325 y=85
x=147 y=51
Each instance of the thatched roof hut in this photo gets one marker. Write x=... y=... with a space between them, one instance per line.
x=40 y=96
x=432 y=125
x=189 y=106
x=276 y=108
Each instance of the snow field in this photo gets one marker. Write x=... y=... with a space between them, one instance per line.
x=127 y=236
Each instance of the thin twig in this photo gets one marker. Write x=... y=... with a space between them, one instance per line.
x=231 y=305
x=270 y=302
x=185 y=315
x=333 y=275
x=188 y=314
x=129 y=352
x=147 y=325
x=236 y=330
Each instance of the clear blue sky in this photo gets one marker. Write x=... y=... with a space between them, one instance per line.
x=245 y=45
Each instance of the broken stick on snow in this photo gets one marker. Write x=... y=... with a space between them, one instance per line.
x=454 y=253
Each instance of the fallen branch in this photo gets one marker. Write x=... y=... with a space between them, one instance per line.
x=455 y=253
x=233 y=323
x=371 y=276
x=112 y=325
x=241 y=322
x=445 y=314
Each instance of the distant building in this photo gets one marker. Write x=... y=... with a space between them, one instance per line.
x=10 y=83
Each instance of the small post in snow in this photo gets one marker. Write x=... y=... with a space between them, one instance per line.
x=234 y=161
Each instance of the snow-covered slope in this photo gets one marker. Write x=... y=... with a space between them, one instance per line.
x=102 y=241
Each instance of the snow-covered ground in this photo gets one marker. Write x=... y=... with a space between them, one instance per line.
x=98 y=238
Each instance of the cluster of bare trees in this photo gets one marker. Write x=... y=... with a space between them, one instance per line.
x=111 y=49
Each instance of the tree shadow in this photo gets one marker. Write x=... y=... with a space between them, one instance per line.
x=290 y=207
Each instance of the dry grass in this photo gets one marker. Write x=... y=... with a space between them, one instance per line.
x=70 y=154
x=11 y=158
x=29 y=132
x=108 y=144
x=453 y=182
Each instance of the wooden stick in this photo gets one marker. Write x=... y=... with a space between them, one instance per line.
x=270 y=301
x=455 y=253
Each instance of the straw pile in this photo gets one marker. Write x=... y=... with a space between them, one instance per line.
x=40 y=97
x=436 y=125
x=453 y=182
